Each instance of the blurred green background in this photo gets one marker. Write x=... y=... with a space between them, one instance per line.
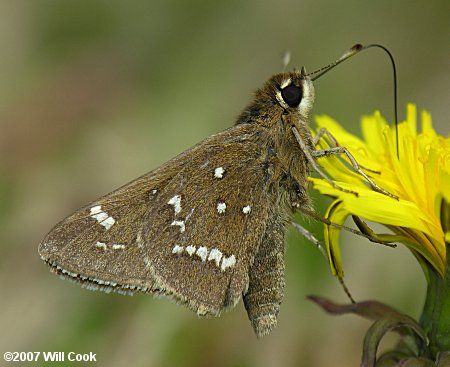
x=95 y=93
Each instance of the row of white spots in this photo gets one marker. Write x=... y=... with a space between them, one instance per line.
x=65 y=272
x=102 y=217
x=176 y=202
x=221 y=207
x=95 y=284
x=114 y=246
x=204 y=254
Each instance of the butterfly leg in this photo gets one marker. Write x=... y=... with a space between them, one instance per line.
x=312 y=161
x=342 y=150
x=310 y=237
x=266 y=279
x=324 y=131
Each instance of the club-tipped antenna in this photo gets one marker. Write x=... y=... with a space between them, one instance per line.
x=353 y=51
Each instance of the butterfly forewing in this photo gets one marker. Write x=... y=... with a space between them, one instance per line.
x=145 y=235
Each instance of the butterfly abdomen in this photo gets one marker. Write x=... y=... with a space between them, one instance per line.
x=266 y=278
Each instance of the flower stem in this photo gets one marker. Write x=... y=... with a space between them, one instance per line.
x=435 y=319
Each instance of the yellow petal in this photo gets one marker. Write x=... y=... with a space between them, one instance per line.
x=377 y=207
x=413 y=166
x=372 y=128
x=336 y=214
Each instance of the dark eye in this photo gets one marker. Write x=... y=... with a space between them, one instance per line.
x=292 y=95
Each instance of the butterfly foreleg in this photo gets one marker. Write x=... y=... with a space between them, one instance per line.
x=309 y=154
x=338 y=149
x=310 y=237
x=312 y=155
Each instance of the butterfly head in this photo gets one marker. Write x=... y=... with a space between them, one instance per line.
x=294 y=92
x=290 y=93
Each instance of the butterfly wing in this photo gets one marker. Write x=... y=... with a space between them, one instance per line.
x=188 y=230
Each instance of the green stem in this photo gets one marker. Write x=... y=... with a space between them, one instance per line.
x=435 y=319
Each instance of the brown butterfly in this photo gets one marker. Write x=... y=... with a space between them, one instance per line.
x=207 y=227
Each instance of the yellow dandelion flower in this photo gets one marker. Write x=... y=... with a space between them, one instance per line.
x=418 y=174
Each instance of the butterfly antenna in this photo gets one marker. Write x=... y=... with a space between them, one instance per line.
x=353 y=51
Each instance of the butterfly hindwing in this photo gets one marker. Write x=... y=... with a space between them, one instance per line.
x=189 y=230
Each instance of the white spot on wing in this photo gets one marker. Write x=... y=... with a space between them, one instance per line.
x=179 y=223
x=96 y=209
x=101 y=245
x=190 y=250
x=178 y=249
x=102 y=217
x=98 y=215
x=215 y=255
x=108 y=222
x=176 y=202
x=118 y=247
x=218 y=172
x=227 y=262
x=202 y=252
x=221 y=208
x=246 y=209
